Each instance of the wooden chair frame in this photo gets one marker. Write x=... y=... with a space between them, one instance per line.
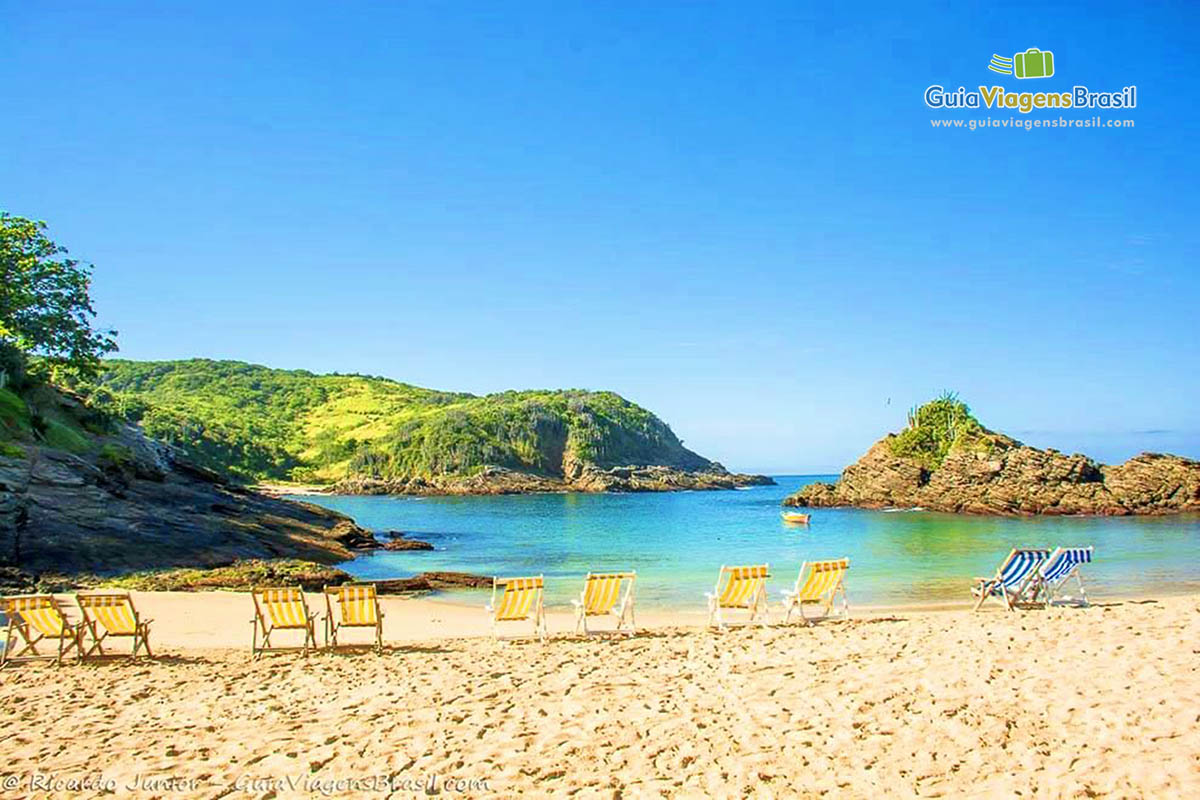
x=753 y=597
x=335 y=620
x=266 y=624
x=624 y=608
x=140 y=633
x=30 y=635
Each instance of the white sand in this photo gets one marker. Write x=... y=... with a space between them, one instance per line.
x=1055 y=703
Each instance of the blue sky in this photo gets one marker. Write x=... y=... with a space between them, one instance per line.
x=736 y=214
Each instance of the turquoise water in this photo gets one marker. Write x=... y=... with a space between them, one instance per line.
x=678 y=541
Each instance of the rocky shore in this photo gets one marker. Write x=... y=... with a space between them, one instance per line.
x=135 y=506
x=499 y=480
x=1008 y=477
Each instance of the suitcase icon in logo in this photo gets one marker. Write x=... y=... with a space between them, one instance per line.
x=1034 y=63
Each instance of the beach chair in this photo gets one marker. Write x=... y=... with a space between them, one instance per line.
x=281 y=609
x=38 y=619
x=1056 y=570
x=111 y=614
x=600 y=597
x=520 y=601
x=818 y=583
x=743 y=588
x=357 y=607
x=1015 y=581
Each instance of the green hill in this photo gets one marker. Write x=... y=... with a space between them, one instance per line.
x=290 y=425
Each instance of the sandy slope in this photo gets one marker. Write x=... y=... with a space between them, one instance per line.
x=1058 y=703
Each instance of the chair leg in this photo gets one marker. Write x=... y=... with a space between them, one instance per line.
x=8 y=643
x=1082 y=592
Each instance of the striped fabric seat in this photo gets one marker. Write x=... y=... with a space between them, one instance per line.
x=1015 y=581
x=112 y=614
x=32 y=619
x=280 y=609
x=818 y=582
x=521 y=600
x=739 y=588
x=600 y=597
x=1054 y=573
x=357 y=606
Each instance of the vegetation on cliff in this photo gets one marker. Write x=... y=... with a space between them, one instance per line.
x=269 y=424
x=945 y=460
x=935 y=428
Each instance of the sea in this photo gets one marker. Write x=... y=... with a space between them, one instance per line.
x=678 y=541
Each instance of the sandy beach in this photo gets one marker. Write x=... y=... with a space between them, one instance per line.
x=1062 y=702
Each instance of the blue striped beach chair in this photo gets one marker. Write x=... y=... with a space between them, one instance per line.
x=1058 y=569
x=1016 y=581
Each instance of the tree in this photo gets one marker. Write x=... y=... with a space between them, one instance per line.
x=45 y=309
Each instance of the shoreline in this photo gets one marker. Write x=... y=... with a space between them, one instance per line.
x=219 y=619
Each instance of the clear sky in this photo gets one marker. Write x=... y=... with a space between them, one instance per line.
x=736 y=214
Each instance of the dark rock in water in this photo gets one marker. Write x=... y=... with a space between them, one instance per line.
x=399 y=541
x=432 y=581
x=1008 y=477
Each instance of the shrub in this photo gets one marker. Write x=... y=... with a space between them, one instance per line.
x=934 y=429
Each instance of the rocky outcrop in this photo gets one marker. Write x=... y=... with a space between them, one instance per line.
x=433 y=581
x=1008 y=477
x=499 y=480
x=132 y=505
x=398 y=541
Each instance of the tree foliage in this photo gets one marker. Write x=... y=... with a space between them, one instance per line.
x=934 y=429
x=45 y=308
x=262 y=423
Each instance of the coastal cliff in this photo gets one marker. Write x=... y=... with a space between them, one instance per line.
x=80 y=494
x=946 y=461
x=368 y=435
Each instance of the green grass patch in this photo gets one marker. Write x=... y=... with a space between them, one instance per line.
x=14 y=415
x=8 y=450
x=241 y=576
x=65 y=437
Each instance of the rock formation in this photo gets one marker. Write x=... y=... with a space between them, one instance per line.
x=500 y=480
x=141 y=508
x=990 y=473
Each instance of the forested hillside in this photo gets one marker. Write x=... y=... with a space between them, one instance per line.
x=268 y=424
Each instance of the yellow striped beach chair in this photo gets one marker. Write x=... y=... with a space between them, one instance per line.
x=357 y=606
x=739 y=588
x=111 y=614
x=33 y=619
x=818 y=582
x=520 y=601
x=281 y=608
x=599 y=598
